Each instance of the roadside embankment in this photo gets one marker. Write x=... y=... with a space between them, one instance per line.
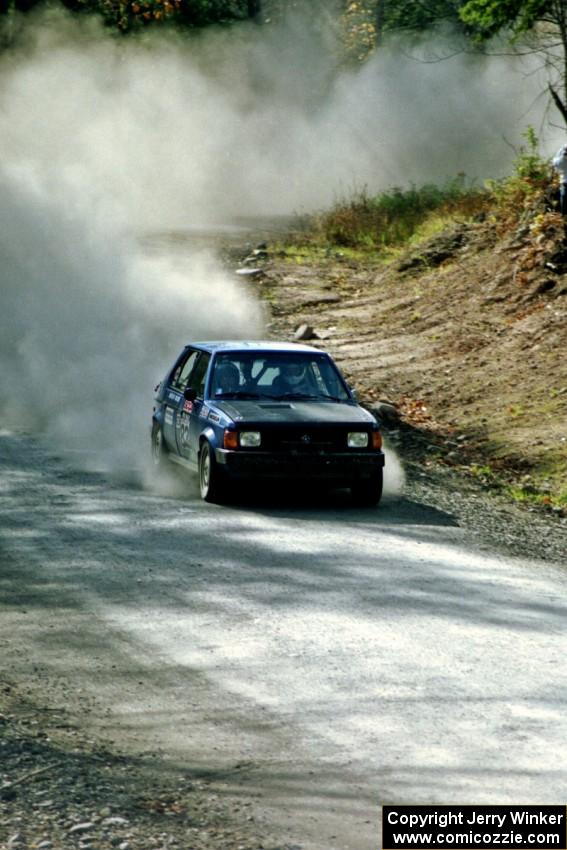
x=465 y=334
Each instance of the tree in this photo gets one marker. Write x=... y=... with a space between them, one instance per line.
x=367 y=22
x=129 y=15
x=540 y=24
x=415 y=15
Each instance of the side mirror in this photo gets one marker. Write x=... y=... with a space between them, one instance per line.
x=354 y=394
x=189 y=394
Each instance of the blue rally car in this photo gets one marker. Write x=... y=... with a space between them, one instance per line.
x=260 y=411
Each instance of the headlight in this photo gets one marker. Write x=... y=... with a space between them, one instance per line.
x=357 y=439
x=250 y=439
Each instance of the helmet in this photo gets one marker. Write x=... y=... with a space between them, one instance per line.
x=294 y=373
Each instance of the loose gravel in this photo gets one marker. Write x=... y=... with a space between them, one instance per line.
x=59 y=791
x=495 y=521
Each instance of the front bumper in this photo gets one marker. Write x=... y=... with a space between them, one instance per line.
x=338 y=467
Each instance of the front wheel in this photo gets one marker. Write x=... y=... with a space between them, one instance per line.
x=211 y=485
x=367 y=492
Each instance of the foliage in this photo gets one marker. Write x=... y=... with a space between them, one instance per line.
x=487 y=17
x=392 y=217
x=186 y=13
x=542 y=24
x=408 y=15
x=527 y=186
x=365 y=22
x=359 y=31
x=544 y=20
x=529 y=165
x=130 y=15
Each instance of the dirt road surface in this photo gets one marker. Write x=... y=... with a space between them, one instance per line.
x=314 y=660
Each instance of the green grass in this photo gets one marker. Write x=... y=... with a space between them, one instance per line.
x=539 y=491
x=530 y=496
x=396 y=217
x=300 y=249
x=485 y=474
x=386 y=222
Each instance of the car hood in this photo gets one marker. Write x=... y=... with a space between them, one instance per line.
x=291 y=412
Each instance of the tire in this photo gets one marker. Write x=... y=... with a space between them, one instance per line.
x=367 y=492
x=211 y=485
x=159 y=451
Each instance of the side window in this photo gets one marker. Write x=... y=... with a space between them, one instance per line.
x=198 y=377
x=183 y=370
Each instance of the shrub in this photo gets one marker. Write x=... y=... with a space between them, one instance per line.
x=527 y=188
x=393 y=217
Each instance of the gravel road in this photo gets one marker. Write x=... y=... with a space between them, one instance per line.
x=311 y=660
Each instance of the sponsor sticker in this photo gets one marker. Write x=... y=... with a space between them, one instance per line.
x=187 y=406
x=214 y=417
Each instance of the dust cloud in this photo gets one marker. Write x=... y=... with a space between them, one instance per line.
x=105 y=140
x=89 y=322
x=394 y=476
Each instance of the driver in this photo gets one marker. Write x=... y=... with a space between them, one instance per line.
x=292 y=379
x=227 y=378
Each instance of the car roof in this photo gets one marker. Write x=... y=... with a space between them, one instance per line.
x=253 y=345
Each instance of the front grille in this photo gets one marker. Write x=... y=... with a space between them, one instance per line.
x=304 y=439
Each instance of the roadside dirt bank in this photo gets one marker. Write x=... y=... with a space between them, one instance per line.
x=466 y=335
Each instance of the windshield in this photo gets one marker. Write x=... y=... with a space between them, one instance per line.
x=277 y=375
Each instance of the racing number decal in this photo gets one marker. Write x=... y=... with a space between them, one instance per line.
x=183 y=421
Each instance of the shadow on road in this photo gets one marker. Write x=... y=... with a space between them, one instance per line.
x=385 y=634
x=337 y=505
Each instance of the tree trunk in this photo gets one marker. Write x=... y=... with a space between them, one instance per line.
x=560 y=17
x=559 y=103
x=254 y=8
x=379 y=19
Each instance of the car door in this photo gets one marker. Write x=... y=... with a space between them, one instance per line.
x=173 y=399
x=190 y=414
